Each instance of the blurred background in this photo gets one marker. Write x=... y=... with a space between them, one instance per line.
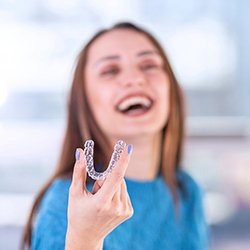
x=208 y=45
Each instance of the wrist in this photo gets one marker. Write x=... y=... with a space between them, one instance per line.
x=74 y=242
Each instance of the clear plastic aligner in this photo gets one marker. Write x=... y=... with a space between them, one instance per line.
x=89 y=152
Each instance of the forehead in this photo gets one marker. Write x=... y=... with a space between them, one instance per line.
x=120 y=41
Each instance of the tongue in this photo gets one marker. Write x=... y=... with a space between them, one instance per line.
x=135 y=111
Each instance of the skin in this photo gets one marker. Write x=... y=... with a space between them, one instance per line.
x=93 y=215
x=118 y=66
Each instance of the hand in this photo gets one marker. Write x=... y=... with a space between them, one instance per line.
x=92 y=216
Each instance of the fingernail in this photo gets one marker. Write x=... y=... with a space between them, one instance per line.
x=130 y=149
x=77 y=154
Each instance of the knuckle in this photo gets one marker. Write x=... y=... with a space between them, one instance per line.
x=118 y=212
x=78 y=166
x=115 y=210
x=118 y=175
x=130 y=212
x=77 y=169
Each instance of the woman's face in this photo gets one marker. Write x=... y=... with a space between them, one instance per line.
x=126 y=86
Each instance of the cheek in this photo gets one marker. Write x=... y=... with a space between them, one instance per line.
x=164 y=97
x=161 y=84
x=163 y=92
x=93 y=97
x=99 y=100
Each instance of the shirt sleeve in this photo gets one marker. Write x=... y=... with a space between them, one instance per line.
x=50 y=227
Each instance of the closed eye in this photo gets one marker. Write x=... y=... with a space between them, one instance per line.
x=148 y=66
x=110 y=71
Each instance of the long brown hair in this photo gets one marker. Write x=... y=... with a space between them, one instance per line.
x=81 y=126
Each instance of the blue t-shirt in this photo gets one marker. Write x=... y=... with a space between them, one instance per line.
x=153 y=226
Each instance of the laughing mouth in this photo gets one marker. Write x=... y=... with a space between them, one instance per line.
x=135 y=105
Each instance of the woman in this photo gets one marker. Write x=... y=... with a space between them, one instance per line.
x=123 y=88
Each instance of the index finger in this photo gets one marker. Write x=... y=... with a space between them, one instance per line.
x=113 y=181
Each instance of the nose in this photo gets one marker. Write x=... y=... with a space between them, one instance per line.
x=132 y=76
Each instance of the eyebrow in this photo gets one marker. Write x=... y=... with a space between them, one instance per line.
x=117 y=57
x=105 y=58
x=148 y=52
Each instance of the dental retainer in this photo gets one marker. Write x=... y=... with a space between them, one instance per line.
x=89 y=152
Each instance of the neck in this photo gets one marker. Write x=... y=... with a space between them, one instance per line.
x=145 y=160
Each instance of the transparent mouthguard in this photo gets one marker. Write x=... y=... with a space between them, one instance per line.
x=89 y=152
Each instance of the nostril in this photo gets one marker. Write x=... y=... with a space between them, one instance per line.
x=134 y=82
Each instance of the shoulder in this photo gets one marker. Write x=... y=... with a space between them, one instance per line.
x=56 y=197
x=188 y=185
x=191 y=196
x=51 y=221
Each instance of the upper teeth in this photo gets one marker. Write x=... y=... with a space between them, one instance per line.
x=136 y=100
